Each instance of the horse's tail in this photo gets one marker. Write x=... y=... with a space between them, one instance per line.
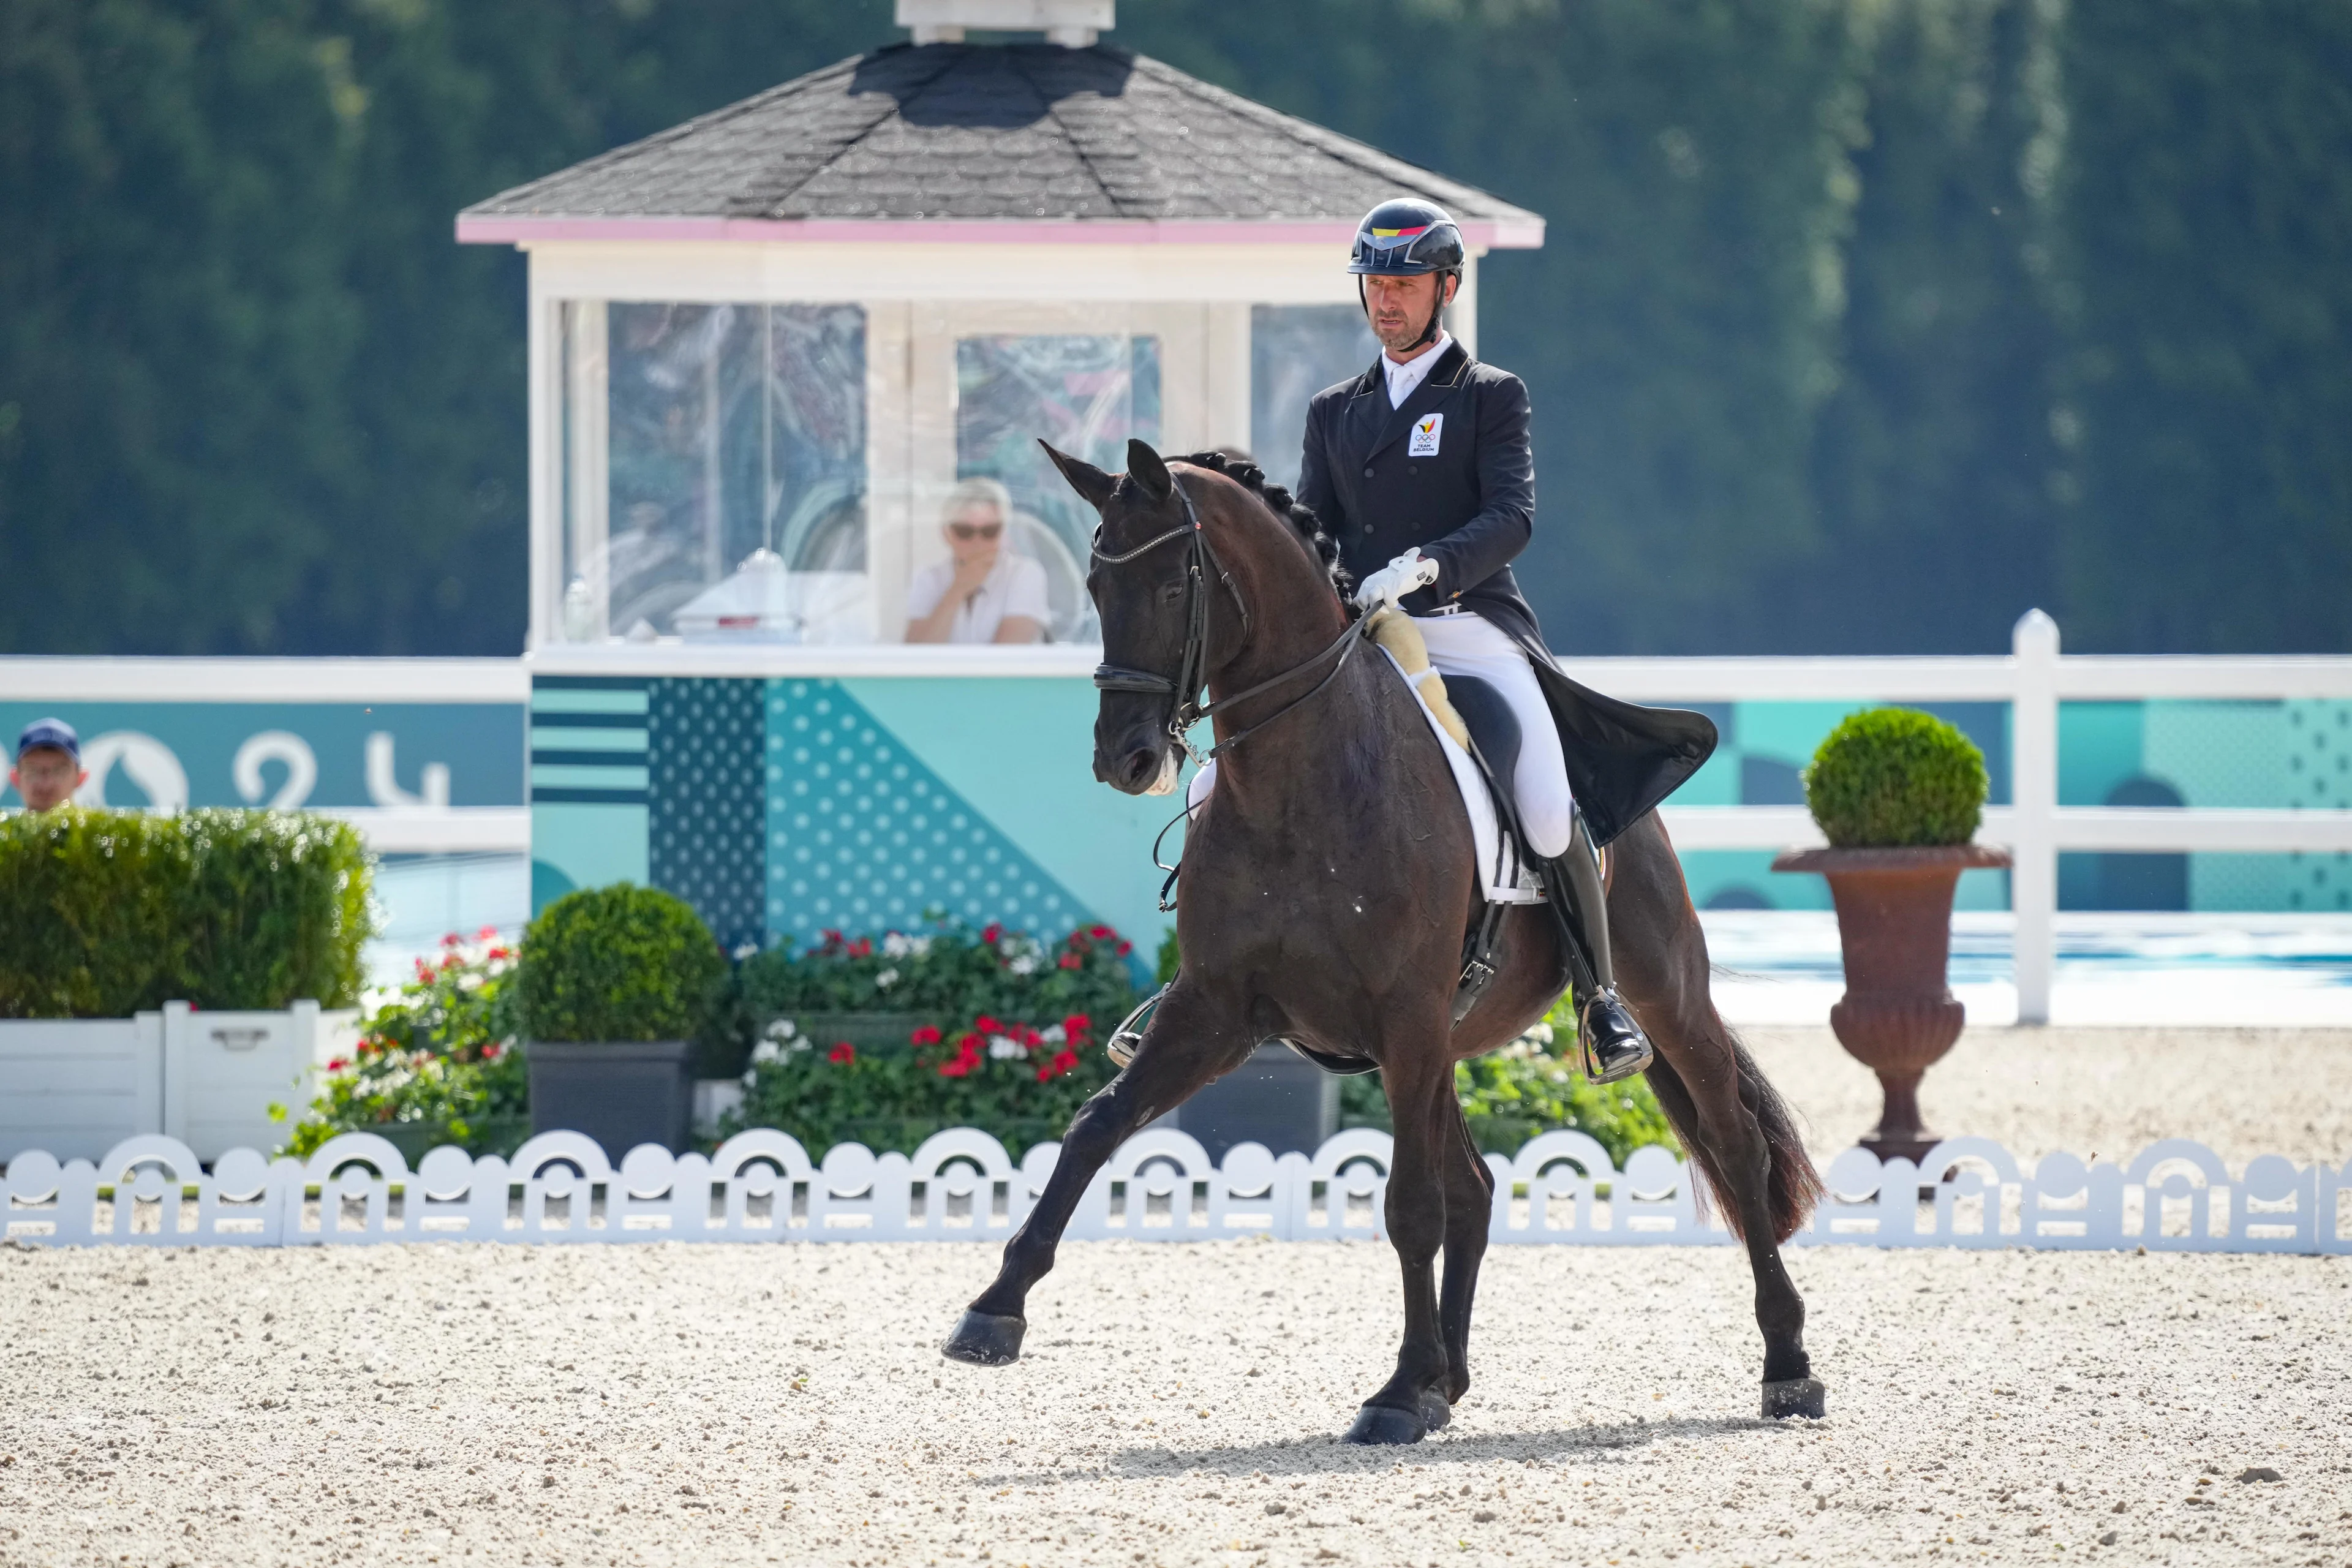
x=1792 y=1187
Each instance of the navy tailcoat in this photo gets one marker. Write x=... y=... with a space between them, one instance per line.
x=1452 y=471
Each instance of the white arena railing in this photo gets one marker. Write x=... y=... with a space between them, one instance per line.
x=961 y=1185
x=2033 y=679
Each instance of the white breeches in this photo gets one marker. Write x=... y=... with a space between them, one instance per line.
x=1470 y=645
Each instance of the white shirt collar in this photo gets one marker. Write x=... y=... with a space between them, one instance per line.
x=1403 y=378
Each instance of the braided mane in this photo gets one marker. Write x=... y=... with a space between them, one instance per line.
x=1300 y=518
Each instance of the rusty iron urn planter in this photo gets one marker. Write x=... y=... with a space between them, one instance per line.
x=1898 y=1016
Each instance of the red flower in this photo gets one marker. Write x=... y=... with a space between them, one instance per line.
x=992 y=933
x=968 y=1046
x=1101 y=933
x=1124 y=948
x=1072 y=961
x=499 y=952
x=490 y=1052
x=1032 y=1037
x=862 y=948
x=486 y=933
x=1078 y=943
x=337 y=1064
x=956 y=1067
x=1065 y=1059
x=424 y=970
x=449 y=960
x=987 y=1025
x=928 y=1035
x=453 y=939
x=1077 y=1026
x=842 y=1051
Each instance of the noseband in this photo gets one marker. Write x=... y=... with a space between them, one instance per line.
x=1183 y=690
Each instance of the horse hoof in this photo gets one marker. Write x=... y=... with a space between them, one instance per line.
x=1434 y=1411
x=1794 y=1396
x=1378 y=1424
x=982 y=1338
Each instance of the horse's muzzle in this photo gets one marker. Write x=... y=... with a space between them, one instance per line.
x=1142 y=770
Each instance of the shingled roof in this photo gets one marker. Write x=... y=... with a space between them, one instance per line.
x=989 y=133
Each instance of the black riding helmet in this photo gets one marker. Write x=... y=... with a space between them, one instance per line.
x=1408 y=238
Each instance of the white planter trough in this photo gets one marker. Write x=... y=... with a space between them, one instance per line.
x=77 y=1087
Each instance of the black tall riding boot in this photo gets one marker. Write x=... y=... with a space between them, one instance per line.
x=1611 y=1043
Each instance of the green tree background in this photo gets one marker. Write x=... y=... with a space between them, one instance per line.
x=1863 y=325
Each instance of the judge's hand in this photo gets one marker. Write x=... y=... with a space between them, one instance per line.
x=1401 y=576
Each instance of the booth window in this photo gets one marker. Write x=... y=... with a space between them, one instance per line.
x=1086 y=394
x=1296 y=351
x=730 y=444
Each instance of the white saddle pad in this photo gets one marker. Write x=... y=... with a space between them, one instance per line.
x=1499 y=872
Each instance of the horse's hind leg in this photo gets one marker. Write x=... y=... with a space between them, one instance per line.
x=1469 y=1208
x=1189 y=1041
x=1736 y=1129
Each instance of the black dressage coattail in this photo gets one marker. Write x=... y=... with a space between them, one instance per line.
x=1385 y=479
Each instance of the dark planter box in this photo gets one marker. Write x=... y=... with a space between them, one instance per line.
x=500 y=1135
x=1278 y=1098
x=620 y=1093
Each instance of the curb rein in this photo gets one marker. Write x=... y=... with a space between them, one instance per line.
x=1184 y=707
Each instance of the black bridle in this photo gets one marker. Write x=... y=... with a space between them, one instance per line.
x=1185 y=708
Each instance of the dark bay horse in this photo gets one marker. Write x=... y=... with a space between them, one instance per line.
x=1328 y=884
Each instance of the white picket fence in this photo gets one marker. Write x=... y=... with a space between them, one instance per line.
x=961 y=1185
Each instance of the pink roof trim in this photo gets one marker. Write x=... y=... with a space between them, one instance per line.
x=488 y=229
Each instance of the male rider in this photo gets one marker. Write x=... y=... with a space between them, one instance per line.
x=1420 y=468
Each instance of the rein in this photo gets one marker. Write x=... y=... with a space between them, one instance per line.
x=1185 y=708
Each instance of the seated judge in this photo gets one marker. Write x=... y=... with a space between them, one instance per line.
x=982 y=591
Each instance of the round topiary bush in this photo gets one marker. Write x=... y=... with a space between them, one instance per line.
x=616 y=963
x=1894 y=776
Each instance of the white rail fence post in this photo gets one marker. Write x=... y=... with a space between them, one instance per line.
x=2033 y=791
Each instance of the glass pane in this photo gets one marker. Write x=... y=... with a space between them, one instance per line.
x=1296 y=351
x=1086 y=394
x=737 y=472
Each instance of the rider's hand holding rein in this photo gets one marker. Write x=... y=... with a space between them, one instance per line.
x=1401 y=576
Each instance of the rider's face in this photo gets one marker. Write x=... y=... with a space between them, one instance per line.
x=1399 y=307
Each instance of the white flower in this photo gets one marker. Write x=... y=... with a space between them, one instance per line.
x=1056 y=1034
x=746 y=950
x=887 y=979
x=781 y=1030
x=897 y=946
x=1024 y=964
x=1540 y=1032
x=750 y=1077
x=918 y=945
x=767 y=1050
x=1003 y=1050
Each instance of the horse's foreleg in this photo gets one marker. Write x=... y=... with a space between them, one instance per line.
x=1189 y=1042
x=1420 y=1086
x=1469 y=1207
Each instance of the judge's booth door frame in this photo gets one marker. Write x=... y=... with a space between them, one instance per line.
x=912 y=390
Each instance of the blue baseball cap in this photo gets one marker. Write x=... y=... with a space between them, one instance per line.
x=53 y=733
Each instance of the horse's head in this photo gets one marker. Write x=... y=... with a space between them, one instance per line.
x=1146 y=604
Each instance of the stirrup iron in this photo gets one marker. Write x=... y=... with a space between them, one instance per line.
x=1121 y=1046
x=1613 y=1048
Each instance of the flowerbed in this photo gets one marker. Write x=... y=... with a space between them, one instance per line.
x=1007 y=1038
x=438 y=1053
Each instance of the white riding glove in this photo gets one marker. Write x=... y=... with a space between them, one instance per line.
x=1401 y=576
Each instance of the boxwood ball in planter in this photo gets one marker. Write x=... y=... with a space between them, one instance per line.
x=1898 y=794
x=612 y=985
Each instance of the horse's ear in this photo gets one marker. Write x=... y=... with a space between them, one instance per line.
x=1091 y=483
x=1144 y=467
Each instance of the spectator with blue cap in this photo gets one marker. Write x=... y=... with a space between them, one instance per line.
x=49 y=765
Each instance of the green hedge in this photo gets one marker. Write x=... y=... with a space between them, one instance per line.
x=622 y=963
x=104 y=914
x=1891 y=777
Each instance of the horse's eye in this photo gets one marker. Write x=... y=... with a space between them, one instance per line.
x=1171 y=592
